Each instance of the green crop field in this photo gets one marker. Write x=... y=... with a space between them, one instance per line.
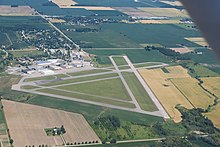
x=87 y=97
x=139 y=92
x=112 y=88
x=135 y=55
x=122 y=35
x=74 y=80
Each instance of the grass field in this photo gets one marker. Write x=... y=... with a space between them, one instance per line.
x=87 y=97
x=87 y=72
x=200 y=71
x=146 y=64
x=58 y=76
x=139 y=92
x=165 y=12
x=74 y=80
x=135 y=55
x=112 y=88
x=120 y=61
x=122 y=35
x=212 y=84
x=26 y=53
x=193 y=92
x=168 y=95
x=28 y=87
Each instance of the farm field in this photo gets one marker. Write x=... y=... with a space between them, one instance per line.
x=168 y=95
x=139 y=92
x=16 y=11
x=164 y=12
x=193 y=92
x=135 y=55
x=182 y=50
x=27 y=121
x=119 y=35
x=212 y=84
x=198 y=40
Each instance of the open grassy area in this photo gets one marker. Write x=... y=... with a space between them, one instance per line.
x=74 y=80
x=197 y=70
x=193 y=92
x=26 y=53
x=52 y=77
x=112 y=88
x=87 y=97
x=135 y=55
x=139 y=92
x=87 y=72
x=120 y=61
x=145 y=64
x=6 y=81
x=28 y=87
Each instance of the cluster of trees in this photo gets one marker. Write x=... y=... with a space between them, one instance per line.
x=5 y=59
x=168 y=52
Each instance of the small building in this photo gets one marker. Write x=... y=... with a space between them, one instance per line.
x=56 y=68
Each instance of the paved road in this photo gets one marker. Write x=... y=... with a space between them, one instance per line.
x=146 y=87
x=125 y=84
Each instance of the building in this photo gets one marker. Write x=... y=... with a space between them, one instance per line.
x=46 y=72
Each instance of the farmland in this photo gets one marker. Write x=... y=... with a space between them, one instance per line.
x=27 y=121
x=165 y=12
x=213 y=85
x=165 y=91
x=135 y=55
x=121 y=35
x=193 y=92
x=16 y=11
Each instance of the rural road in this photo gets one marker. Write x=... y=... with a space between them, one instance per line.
x=146 y=87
